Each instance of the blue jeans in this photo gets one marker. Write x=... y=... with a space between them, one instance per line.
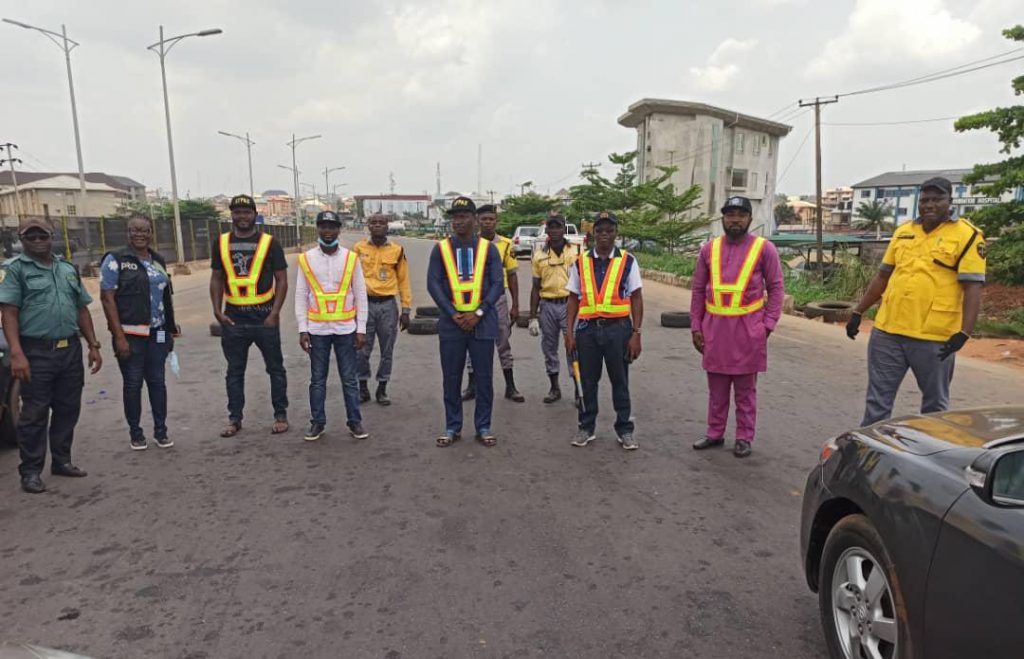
x=145 y=364
x=320 y=363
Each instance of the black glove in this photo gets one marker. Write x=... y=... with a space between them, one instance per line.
x=853 y=325
x=954 y=344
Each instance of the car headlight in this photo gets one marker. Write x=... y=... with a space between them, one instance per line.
x=830 y=447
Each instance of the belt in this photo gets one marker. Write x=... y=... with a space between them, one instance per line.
x=602 y=322
x=555 y=300
x=48 y=344
x=380 y=298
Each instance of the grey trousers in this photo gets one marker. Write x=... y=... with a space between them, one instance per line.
x=889 y=358
x=504 y=342
x=382 y=324
x=552 y=333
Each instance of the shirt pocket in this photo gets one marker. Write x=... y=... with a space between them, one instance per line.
x=945 y=255
x=388 y=266
x=943 y=318
x=37 y=290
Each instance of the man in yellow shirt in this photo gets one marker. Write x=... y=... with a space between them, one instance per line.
x=487 y=219
x=930 y=284
x=386 y=271
x=551 y=264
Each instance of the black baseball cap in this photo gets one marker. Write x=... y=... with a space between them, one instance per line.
x=462 y=205
x=606 y=216
x=242 y=201
x=35 y=222
x=741 y=203
x=487 y=208
x=328 y=216
x=939 y=183
x=555 y=218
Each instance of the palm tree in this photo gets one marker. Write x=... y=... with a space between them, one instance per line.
x=874 y=215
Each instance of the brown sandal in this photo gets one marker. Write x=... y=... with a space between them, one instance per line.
x=231 y=429
x=487 y=440
x=276 y=429
x=448 y=440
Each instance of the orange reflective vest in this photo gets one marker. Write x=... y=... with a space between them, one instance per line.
x=330 y=305
x=242 y=290
x=605 y=303
x=466 y=295
x=715 y=305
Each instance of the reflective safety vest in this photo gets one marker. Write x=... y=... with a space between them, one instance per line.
x=242 y=290
x=605 y=303
x=330 y=305
x=465 y=294
x=715 y=305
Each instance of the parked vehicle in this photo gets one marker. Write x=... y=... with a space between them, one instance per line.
x=912 y=535
x=10 y=399
x=572 y=236
x=523 y=239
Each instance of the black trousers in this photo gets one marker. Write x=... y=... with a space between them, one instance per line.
x=235 y=341
x=604 y=345
x=51 y=401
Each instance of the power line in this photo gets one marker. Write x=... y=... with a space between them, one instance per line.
x=891 y=123
x=793 y=159
x=940 y=75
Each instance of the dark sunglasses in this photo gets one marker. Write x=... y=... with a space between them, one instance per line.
x=35 y=237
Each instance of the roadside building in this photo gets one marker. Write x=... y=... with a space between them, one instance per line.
x=725 y=152
x=903 y=189
x=54 y=194
x=395 y=205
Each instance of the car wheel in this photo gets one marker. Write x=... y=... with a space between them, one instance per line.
x=216 y=329
x=863 y=612
x=12 y=410
x=428 y=312
x=832 y=311
x=423 y=326
x=675 y=319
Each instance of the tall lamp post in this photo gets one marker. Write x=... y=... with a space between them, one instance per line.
x=334 y=193
x=295 y=173
x=327 y=173
x=248 y=149
x=67 y=45
x=161 y=48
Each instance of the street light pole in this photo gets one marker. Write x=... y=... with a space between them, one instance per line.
x=248 y=149
x=295 y=172
x=161 y=48
x=334 y=192
x=327 y=172
x=67 y=45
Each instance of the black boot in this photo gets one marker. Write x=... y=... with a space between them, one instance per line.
x=364 y=392
x=556 y=393
x=382 y=394
x=510 y=387
x=469 y=393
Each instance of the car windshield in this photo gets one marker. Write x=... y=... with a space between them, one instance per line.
x=529 y=231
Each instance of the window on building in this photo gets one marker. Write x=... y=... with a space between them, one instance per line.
x=961 y=190
x=753 y=181
x=72 y=211
x=901 y=211
x=739 y=178
x=865 y=194
x=770 y=142
x=739 y=142
x=755 y=147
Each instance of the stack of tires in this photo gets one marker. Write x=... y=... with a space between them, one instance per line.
x=425 y=321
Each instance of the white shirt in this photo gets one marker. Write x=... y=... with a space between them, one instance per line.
x=633 y=280
x=328 y=270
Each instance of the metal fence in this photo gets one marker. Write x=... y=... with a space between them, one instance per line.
x=85 y=240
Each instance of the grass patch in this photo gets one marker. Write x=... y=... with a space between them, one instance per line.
x=681 y=265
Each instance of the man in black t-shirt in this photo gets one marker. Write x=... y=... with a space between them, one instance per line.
x=248 y=287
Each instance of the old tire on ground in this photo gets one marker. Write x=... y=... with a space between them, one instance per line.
x=428 y=312
x=423 y=326
x=215 y=329
x=831 y=311
x=675 y=319
x=12 y=410
x=523 y=322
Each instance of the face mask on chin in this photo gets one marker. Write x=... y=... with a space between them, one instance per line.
x=324 y=243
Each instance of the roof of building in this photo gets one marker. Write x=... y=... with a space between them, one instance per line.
x=274 y=193
x=911 y=179
x=646 y=106
x=59 y=182
x=393 y=197
x=26 y=178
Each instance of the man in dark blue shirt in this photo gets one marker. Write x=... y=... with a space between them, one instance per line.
x=465 y=279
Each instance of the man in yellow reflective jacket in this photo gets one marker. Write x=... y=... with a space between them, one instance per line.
x=929 y=283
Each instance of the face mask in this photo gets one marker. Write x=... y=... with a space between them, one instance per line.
x=324 y=243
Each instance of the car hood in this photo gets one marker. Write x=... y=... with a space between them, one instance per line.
x=925 y=434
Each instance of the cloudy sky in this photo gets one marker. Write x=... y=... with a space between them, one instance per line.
x=398 y=86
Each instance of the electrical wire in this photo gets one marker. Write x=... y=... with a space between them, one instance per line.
x=890 y=123
x=793 y=159
x=941 y=75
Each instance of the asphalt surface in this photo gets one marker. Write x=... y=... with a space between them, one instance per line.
x=269 y=546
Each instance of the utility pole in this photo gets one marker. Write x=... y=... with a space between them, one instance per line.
x=391 y=182
x=817 y=103
x=491 y=193
x=438 y=179
x=14 y=177
x=590 y=166
x=248 y=148
x=523 y=186
x=295 y=173
x=327 y=173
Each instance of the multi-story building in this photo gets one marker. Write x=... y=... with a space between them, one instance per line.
x=56 y=195
x=903 y=189
x=725 y=152
x=392 y=204
x=837 y=206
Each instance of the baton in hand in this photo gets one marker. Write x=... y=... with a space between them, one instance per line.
x=577 y=381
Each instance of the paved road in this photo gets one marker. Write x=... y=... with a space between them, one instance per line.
x=263 y=546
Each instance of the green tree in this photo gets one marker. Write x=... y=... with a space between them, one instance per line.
x=528 y=208
x=1004 y=222
x=784 y=213
x=875 y=215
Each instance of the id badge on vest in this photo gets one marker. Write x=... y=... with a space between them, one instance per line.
x=383 y=274
x=161 y=336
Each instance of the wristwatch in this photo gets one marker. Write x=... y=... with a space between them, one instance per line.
x=95 y=346
x=479 y=313
x=636 y=330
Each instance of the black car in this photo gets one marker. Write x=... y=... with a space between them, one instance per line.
x=913 y=537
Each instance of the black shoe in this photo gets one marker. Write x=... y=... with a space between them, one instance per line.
x=314 y=432
x=742 y=448
x=513 y=394
x=382 y=394
x=164 y=442
x=32 y=484
x=364 y=392
x=356 y=429
x=553 y=396
x=707 y=442
x=138 y=443
x=469 y=393
x=67 y=469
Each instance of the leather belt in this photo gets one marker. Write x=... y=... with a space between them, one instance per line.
x=48 y=344
x=555 y=300
x=380 y=298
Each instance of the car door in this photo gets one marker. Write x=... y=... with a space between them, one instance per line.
x=975 y=602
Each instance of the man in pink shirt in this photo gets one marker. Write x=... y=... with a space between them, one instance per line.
x=736 y=303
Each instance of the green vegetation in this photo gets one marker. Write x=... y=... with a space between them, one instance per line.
x=1011 y=325
x=847 y=282
x=676 y=264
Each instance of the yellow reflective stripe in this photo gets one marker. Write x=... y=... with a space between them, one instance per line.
x=587 y=279
x=235 y=284
x=330 y=305
x=612 y=281
x=592 y=305
x=474 y=287
x=737 y=288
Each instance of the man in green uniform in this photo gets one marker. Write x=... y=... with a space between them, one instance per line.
x=43 y=305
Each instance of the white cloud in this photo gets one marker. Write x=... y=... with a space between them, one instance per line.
x=721 y=66
x=882 y=31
